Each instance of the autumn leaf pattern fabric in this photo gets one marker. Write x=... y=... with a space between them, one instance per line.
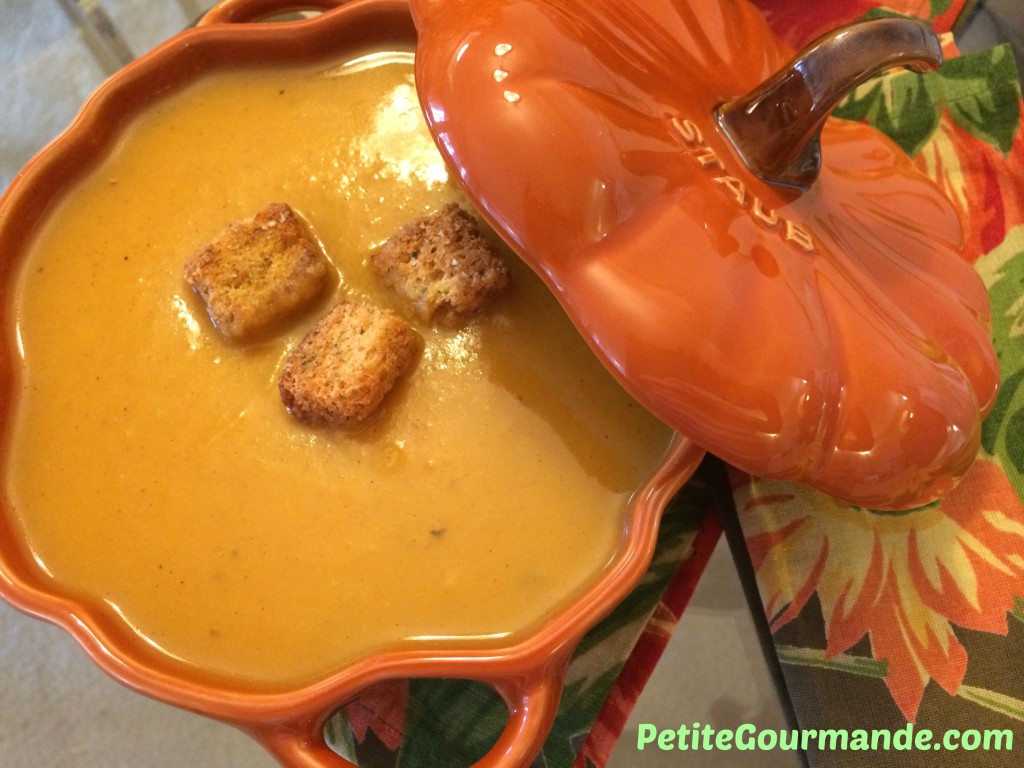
x=883 y=619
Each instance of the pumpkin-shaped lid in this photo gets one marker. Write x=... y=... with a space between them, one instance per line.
x=780 y=286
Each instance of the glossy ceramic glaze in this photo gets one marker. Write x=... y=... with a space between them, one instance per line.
x=528 y=673
x=834 y=336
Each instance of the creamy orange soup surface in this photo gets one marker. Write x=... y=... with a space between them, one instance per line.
x=154 y=468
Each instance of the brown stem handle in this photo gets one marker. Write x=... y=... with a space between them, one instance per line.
x=776 y=127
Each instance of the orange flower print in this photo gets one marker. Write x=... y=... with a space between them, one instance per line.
x=906 y=580
x=970 y=173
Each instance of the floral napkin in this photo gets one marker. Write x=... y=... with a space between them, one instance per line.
x=879 y=620
x=890 y=620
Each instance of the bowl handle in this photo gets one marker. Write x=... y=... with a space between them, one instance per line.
x=245 y=11
x=532 y=702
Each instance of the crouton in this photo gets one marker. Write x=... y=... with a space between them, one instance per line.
x=340 y=372
x=258 y=273
x=441 y=267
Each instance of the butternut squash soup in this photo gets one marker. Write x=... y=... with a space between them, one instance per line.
x=153 y=467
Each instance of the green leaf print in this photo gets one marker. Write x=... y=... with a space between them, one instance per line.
x=339 y=736
x=450 y=722
x=455 y=722
x=938 y=7
x=980 y=92
x=842 y=662
x=1003 y=430
x=581 y=703
x=996 y=702
x=900 y=107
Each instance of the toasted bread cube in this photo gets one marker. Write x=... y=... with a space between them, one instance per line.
x=340 y=372
x=258 y=273
x=441 y=267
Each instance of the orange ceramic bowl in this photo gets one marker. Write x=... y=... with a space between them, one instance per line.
x=528 y=674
